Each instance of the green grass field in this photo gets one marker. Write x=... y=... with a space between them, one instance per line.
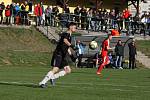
x=25 y=58
x=20 y=83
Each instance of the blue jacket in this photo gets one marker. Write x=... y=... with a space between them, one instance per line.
x=17 y=8
x=81 y=48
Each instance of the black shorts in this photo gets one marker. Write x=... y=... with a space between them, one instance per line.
x=59 y=61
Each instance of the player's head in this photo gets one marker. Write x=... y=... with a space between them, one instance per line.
x=109 y=36
x=72 y=27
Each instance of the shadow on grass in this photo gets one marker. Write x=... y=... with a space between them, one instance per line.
x=148 y=77
x=32 y=85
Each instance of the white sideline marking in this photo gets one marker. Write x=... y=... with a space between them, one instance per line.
x=69 y=83
x=83 y=87
x=17 y=83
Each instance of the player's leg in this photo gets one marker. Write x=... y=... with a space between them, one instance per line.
x=65 y=71
x=49 y=75
x=116 y=62
x=107 y=61
x=56 y=62
x=104 y=62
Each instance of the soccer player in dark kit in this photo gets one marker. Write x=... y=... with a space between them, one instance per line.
x=59 y=60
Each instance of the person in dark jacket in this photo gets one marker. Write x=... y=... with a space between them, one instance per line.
x=132 y=54
x=77 y=15
x=119 y=49
x=2 y=7
x=83 y=12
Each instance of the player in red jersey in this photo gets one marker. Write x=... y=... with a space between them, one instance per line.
x=104 y=54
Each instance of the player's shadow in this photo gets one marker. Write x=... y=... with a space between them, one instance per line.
x=20 y=84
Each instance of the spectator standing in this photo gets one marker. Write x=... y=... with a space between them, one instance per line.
x=48 y=11
x=144 y=19
x=90 y=23
x=83 y=17
x=38 y=13
x=55 y=12
x=43 y=14
x=67 y=10
x=2 y=7
x=126 y=15
x=120 y=22
x=80 y=52
x=113 y=18
x=17 y=8
x=97 y=17
x=119 y=50
x=8 y=14
x=24 y=13
x=102 y=20
x=148 y=22
x=132 y=54
x=77 y=15
x=13 y=12
x=17 y=16
x=30 y=3
x=135 y=24
x=110 y=56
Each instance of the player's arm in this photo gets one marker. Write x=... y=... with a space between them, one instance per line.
x=67 y=42
x=69 y=51
x=108 y=46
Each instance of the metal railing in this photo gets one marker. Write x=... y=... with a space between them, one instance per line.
x=98 y=24
x=95 y=24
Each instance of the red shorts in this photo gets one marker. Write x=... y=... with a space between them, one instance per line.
x=104 y=53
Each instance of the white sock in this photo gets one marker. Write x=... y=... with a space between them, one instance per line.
x=47 y=78
x=59 y=74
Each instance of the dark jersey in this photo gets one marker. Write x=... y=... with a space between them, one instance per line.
x=62 y=48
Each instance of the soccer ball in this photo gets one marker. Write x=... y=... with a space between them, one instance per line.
x=93 y=45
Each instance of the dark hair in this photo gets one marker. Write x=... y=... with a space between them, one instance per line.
x=109 y=35
x=71 y=24
x=119 y=40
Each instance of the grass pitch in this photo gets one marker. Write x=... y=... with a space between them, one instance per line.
x=25 y=58
x=21 y=83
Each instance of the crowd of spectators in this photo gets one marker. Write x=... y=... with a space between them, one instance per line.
x=97 y=20
x=15 y=13
x=86 y=18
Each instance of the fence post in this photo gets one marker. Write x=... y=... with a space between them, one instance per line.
x=47 y=31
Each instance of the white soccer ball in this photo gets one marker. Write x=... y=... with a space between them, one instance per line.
x=93 y=45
